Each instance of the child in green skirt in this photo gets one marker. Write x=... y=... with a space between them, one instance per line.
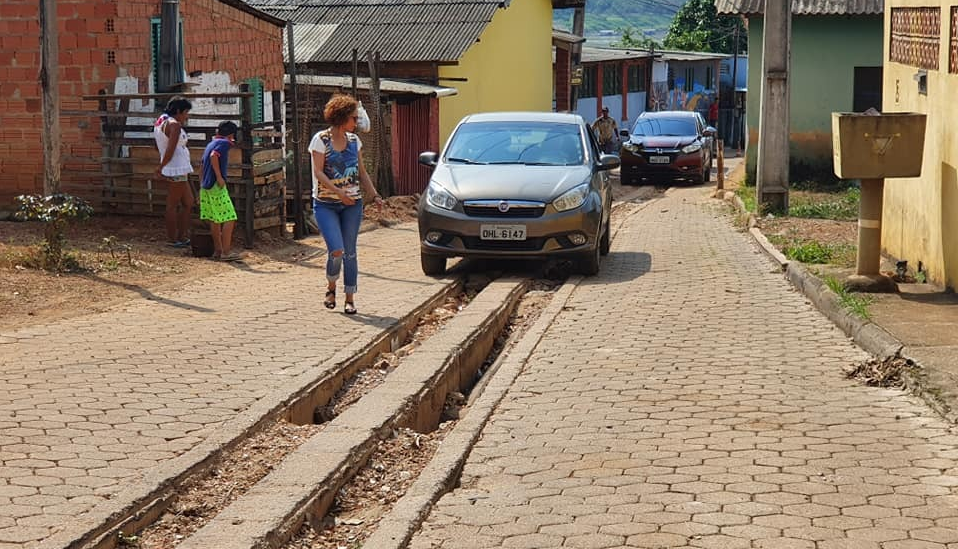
x=215 y=203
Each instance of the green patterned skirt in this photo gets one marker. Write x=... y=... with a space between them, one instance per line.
x=216 y=206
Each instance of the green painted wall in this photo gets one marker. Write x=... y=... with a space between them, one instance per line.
x=825 y=51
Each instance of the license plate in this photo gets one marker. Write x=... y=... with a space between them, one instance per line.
x=502 y=232
x=658 y=160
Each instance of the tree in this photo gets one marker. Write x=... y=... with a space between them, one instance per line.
x=698 y=27
x=632 y=38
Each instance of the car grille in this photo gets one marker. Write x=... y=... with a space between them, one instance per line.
x=527 y=245
x=512 y=212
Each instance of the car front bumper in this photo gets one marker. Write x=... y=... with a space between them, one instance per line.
x=636 y=164
x=546 y=235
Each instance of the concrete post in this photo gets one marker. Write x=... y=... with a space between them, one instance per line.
x=867 y=276
x=773 y=128
x=869 y=227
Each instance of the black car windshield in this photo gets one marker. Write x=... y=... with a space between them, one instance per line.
x=532 y=143
x=664 y=126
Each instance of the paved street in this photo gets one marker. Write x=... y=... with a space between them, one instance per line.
x=689 y=397
x=91 y=406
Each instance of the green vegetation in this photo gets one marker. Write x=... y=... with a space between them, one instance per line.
x=747 y=194
x=813 y=252
x=844 y=207
x=56 y=212
x=854 y=303
x=698 y=27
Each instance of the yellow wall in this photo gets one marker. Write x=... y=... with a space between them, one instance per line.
x=508 y=69
x=920 y=218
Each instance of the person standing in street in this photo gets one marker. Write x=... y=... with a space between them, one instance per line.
x=606 y=131
x=339 y=182
x=174 y=168
x=215 y=203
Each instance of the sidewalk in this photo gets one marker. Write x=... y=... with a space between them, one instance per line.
x=712 y=412
x=95 y=410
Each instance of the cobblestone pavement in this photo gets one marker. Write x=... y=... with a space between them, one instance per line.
x=90 y=404
x=688 y=397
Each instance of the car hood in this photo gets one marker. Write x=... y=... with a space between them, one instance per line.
x=662 y=141
x=509 y=181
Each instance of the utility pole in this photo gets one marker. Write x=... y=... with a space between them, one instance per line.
x=578 y=29
x=733 y=135
x=50 y=88
x=773 y=128
x=299 y=221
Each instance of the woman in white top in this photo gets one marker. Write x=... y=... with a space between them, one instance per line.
x=339 y=182
x=174 y=168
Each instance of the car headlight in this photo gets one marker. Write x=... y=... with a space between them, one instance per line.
x=572 y=198
x=439 y=197
x=694 y=147
x=631 y=147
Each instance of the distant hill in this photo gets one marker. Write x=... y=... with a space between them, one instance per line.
x=604 y=19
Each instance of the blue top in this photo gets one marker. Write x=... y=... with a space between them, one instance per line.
x=217 y=150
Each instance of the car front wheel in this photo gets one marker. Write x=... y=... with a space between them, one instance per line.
x=605 y=243
x=589 y=262
x=432 y=265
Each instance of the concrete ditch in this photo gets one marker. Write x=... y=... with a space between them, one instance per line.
x=306 y=482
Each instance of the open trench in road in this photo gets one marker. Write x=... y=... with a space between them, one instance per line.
x=343 y=507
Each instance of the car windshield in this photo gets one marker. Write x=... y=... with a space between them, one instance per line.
x=530 y=143
x=664 y=126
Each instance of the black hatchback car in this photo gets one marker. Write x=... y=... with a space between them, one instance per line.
x=667 y=145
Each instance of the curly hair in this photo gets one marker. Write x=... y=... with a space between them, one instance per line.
x=339 y=108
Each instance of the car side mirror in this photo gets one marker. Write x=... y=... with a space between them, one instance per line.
x=429 y=158
x=608 y=162
x=709 y=132
x=624 y=134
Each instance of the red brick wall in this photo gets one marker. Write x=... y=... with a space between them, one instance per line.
x=562 y=79
x=217 y=38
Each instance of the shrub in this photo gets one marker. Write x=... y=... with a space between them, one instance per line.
x=55 y=211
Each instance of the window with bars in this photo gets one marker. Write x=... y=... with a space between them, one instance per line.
x=588 y=87
x=689 y=79
x=637 y=79
x=709 y=84
x=155 y=27
x=915 y=37
x=611 y=79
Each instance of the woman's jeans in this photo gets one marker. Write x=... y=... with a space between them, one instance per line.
x=340 y=227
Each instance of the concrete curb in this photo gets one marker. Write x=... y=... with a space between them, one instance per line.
x=404 y=520
x=145 y=499
x=927 y=384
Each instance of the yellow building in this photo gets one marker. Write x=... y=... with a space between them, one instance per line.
x=920 y=218
x=509 y=68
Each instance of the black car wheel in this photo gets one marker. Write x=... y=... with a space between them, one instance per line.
x=432 y=265
x=605 y=243
x=589 y=262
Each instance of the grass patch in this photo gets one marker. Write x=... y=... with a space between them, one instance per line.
x=813 y=252
x=843 y=208
x=747 y=194
x=856 y=304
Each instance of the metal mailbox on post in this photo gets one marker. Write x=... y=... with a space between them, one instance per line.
x=871 y=147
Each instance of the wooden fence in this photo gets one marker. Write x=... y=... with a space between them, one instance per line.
x=126 y=183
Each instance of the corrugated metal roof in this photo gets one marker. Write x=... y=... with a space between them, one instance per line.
x=596 y=55
x=675 y=55
x=401 y=30
x=385 y=85
x=805 y=7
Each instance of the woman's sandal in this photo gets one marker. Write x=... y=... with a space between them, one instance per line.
x=350 y=308
x=330 y=301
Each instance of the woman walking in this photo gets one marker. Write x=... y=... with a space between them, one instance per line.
x=339 y=181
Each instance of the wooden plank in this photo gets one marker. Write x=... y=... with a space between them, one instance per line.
x=271 y=178
x=161 y=96
x=267 y=222
x=138 y=114
x=268 y=167
x=262 y=155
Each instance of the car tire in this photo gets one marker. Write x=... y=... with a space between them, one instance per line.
x=605 y=242
x=432 y=265
x=589 y=262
